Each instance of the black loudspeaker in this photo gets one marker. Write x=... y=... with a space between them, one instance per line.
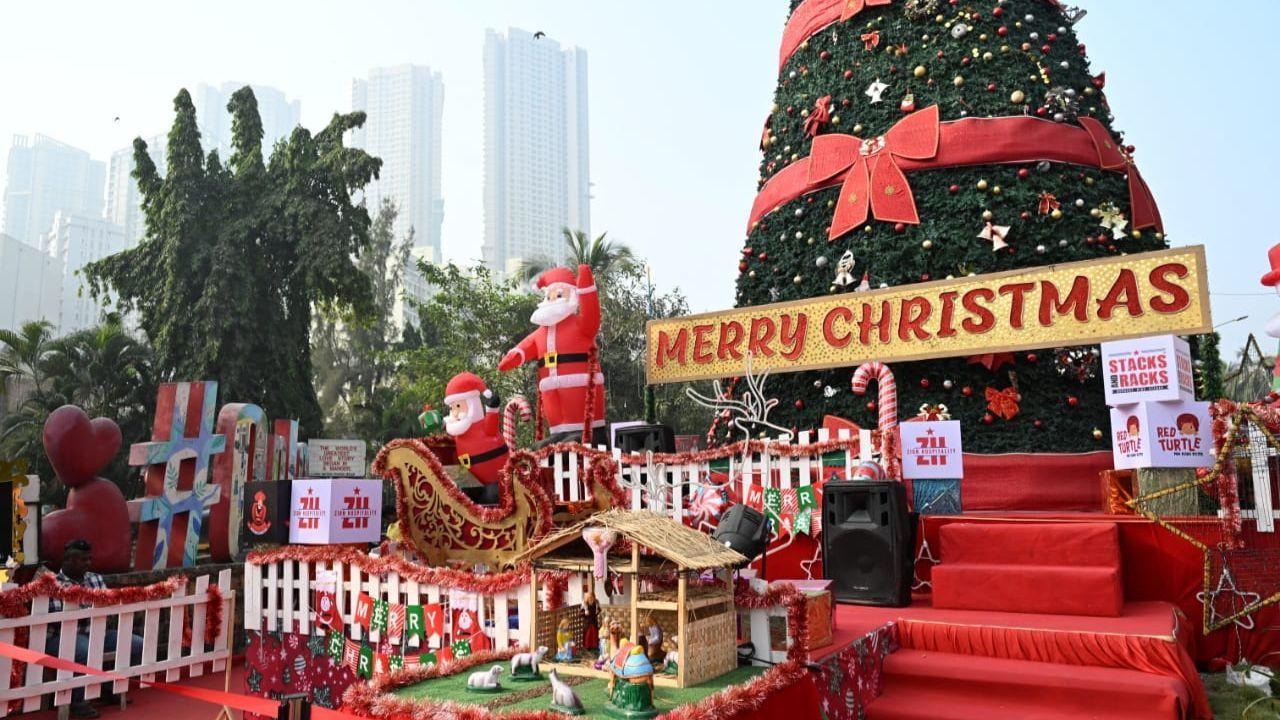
x=867 y=542
x=266 y=512
x=642 y=438
x=743 y=528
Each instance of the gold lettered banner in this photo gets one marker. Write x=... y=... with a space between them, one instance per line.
x=1157 y=293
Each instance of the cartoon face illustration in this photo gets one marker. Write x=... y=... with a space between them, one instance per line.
x=1132 y=425
x=1188 y=424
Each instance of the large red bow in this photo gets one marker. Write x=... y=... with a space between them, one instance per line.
x=1111 y=156
x=874 y=184
x=853 y=7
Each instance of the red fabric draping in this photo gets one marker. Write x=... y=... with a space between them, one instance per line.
x=1159 y=655
x=979 y=141
x=812 y=16
x=797 y=700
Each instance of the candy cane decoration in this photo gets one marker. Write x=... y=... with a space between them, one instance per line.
x=887 y=402
x=517 y=404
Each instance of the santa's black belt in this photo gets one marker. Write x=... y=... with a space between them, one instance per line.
x=467 y=461
x=554 y=359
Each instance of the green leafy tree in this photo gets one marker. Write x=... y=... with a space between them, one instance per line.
x=355 y=356
x=1004 y=59
x=235 y=257
x=23 y=357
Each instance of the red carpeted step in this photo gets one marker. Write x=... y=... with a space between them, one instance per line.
x=1048 y=589
x=942 y=686
x=1030 y=543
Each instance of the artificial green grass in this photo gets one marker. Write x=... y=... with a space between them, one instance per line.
x=592 y=692
x=1229 y=701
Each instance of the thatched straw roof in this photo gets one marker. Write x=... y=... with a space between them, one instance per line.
x=674 y=541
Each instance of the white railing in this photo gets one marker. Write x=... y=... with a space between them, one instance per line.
x=278 y=596
x=666 y=488
x=171 y=612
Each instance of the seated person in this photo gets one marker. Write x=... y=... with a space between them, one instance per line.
x=76 y=559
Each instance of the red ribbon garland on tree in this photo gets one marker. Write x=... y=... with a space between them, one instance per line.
x=875 y=166
x=813 y=16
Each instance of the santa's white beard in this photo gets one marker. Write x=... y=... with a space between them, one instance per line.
x=551 y=312
x=1272 y=327
x=459 y=426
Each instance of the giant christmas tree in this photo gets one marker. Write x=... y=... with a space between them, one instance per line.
x=874 y=175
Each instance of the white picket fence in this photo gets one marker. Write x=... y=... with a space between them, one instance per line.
x=665 y=488
x=278 y=598
x=191 y=600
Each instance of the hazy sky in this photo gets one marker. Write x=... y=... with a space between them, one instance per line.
x=678 y=93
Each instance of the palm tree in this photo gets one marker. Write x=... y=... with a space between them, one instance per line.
x=24 y=353
x=602 y=255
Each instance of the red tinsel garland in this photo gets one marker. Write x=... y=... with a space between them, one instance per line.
x=484 y=584
x=16 y=602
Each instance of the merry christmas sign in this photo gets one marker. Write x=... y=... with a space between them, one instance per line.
x=336 y=458
x=932 y=450
x=1164 y=292
x=1161 y=435
x=327 y=511
x=1147 y=369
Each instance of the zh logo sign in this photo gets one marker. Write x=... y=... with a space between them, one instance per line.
x=933 y=450
x=358 y=512
x=309 y=515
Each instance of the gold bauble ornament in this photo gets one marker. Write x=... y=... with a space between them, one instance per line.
x=1056 y=214
x=958 y=81
x=1097 y=434
x=921 y=71
x=1088 y=181
x=988 y=56
x=1136 y=234
x=1017 y=97
x=995 y=190
x=987 y=215
x=982 y=184
x=927 y=244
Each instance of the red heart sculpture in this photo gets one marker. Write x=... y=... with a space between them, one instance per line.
x=96 y=511
x=79 y=448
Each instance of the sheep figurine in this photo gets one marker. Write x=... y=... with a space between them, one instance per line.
x=563 y=698
x=524 y=666
x=485 y=681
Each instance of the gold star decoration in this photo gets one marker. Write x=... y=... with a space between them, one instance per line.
x=995 y=234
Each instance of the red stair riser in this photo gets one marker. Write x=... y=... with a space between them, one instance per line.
x=1054 y=590
x=1030 y=543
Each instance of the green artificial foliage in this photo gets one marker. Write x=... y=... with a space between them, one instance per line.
x=966 y=74
x=235 y=257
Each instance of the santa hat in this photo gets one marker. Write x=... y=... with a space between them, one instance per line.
x=465 y=386
x=556 y=276
x=1272 y=277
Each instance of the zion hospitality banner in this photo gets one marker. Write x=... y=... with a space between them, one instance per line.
x=1157 y=293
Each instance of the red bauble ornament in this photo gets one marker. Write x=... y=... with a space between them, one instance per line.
x=1025 y=215
x=742 y=266
x=924 y=277
x=924 y=383
x=1002 y=30
x=1051 y=37
x=799 y=404
x=900 y=227
x=1042 y=111
x=953 y=189
x=1031 y=357
x=748 y=251
x=848 y=74
x=825 y=54
x=991 y=87
x=764 y=256
x=966 y=391
x=965 y=61
x=1038 y=425
x=998 y=12
x=871 y=405
x=1045 y=49
x=988 y=418
x=1072 y=400
x=1023 y=173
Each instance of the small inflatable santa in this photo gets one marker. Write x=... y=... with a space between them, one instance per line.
x=474 y=423
x=568 y=318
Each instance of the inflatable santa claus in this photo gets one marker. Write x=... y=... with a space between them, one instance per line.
x=474 y=422
x=563 y=346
